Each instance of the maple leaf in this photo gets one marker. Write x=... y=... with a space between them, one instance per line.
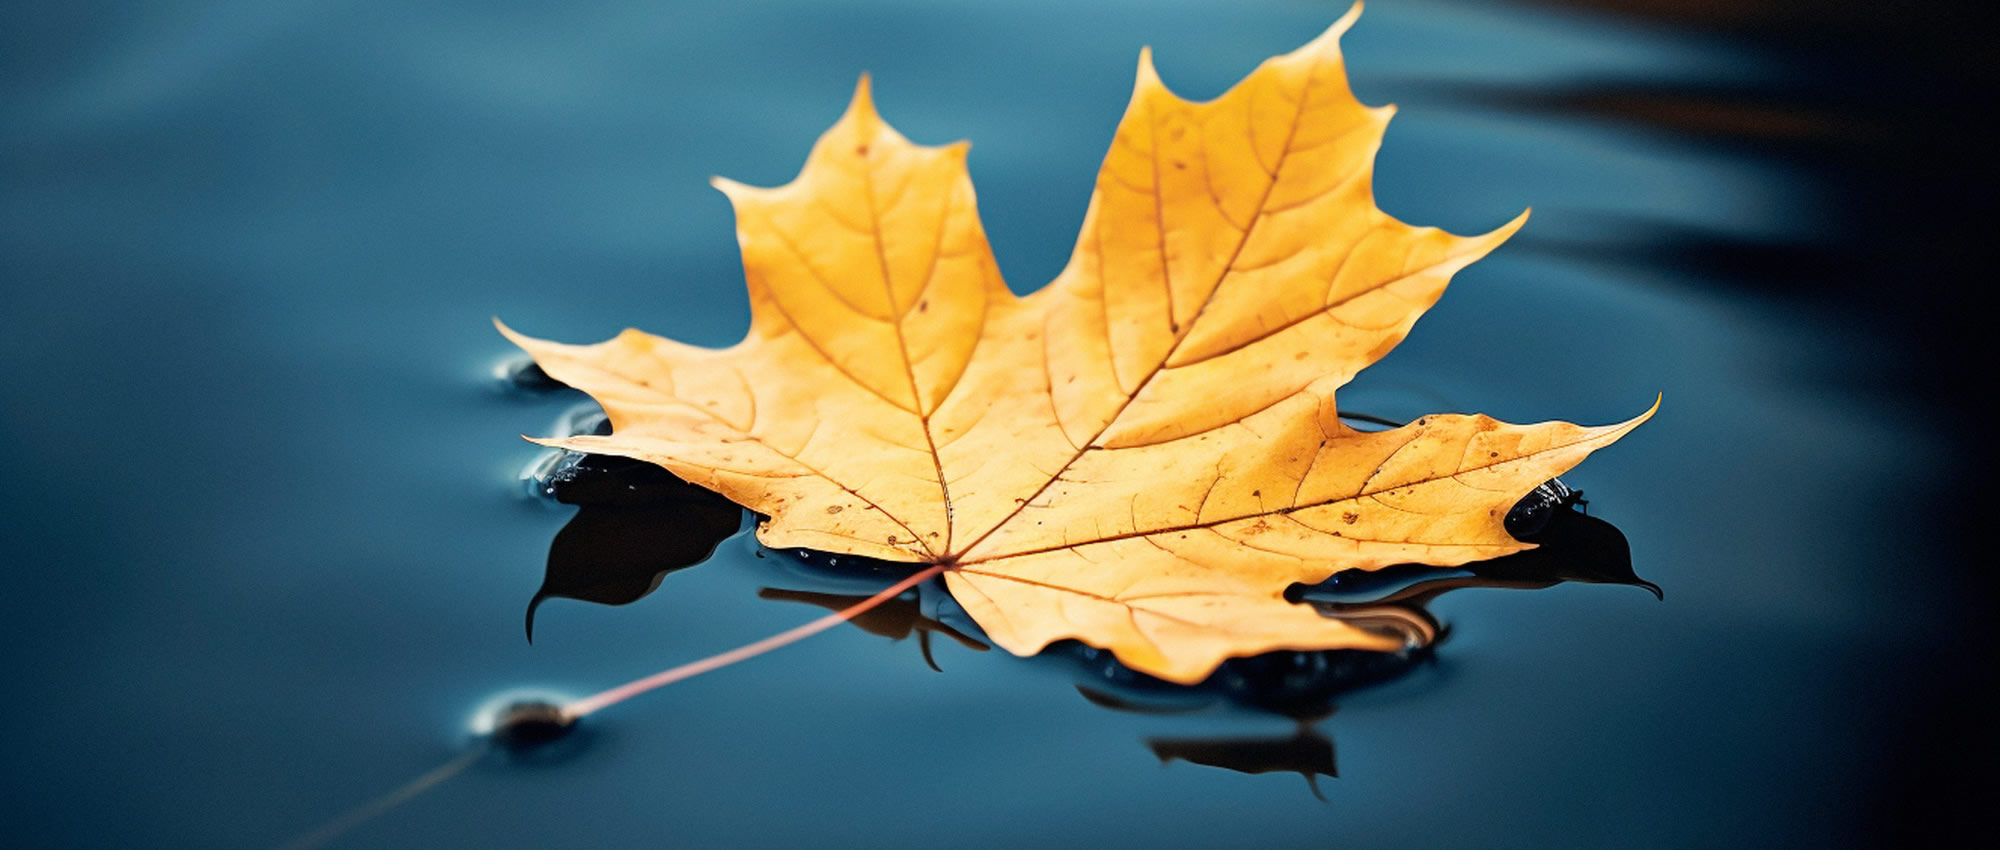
x=1144 y=454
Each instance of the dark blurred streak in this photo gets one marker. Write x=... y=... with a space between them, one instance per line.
x=1891 y=211
x=1875 y=106
x=1830 y=146
x=1736 y=115
x=1722 y=114
x=1787 y=269
x=1864 y=103
x=1937 y=38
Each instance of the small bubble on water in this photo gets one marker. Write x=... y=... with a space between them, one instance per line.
x=523 y=721
x=530 y=724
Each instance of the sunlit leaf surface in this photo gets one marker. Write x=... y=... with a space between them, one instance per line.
x=1143 y=454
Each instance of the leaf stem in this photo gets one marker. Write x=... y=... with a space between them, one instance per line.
x=594 y=702
x=377 y=807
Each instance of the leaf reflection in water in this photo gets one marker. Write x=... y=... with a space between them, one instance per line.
x=1307 y=752
x=637 y=524
x=896 y=619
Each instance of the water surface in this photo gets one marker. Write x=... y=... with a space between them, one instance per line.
x=269 y=548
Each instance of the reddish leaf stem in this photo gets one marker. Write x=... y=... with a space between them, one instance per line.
x=377 y=807
x=619 y=694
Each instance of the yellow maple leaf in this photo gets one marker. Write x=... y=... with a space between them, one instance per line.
x=1142 y=455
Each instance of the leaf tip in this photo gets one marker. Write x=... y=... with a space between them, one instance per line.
x=516 y=337
x=729 y=188
x=1147 y=77
x=862 y=106
x=1347 y=20
x=1507 y=231
x=1329 y=40
x=1625 y=427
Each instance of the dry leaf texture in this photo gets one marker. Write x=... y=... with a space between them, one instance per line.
x=1144 y=454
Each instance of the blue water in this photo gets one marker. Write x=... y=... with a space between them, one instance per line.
x=268 y=548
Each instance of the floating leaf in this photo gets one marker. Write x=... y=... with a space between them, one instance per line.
x=1143 y=454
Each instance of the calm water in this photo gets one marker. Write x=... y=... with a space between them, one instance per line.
x=268 y=549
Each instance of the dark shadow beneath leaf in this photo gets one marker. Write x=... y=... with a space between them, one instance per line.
x=603 y=480
x=636 y=524
x=1572 y=547
x=519 y=373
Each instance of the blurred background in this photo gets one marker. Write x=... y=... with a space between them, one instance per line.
x=268 y=546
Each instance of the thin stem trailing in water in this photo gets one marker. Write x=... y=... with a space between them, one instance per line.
x=379 y=806
x=594 y=702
